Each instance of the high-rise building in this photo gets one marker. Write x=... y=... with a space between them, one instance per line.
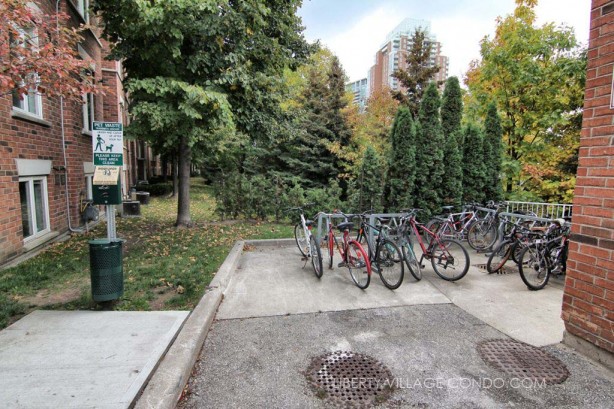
x=392 y=55
x=360 y=90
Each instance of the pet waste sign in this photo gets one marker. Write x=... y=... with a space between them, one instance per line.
x=108 y=144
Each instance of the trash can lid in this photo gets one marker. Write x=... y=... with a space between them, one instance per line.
x=106 y=241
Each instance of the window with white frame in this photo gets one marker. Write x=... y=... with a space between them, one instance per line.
x=30 y=102
x=34 y=206
x=88 y=111
x=84 y=9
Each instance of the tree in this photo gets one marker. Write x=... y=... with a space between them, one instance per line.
x=35 y=48
x=366 y=190
x=492 y=154
x=201 y=69
x=419 y=73
x=429 y=153
x=451 y=115
x=473 y=164
x=536 y=77
x=401 y=162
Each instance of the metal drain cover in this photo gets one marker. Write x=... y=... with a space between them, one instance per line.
x=521 y=360
x=349 y=379
x=502 y=270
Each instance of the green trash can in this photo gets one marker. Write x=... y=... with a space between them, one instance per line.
x=106 y=269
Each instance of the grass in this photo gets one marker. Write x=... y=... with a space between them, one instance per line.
x=164 y=267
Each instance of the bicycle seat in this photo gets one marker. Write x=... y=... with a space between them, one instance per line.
x=308 y=223
x=448 y=208
x=345 y=226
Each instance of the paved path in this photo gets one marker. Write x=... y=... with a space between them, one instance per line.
x=82 y=359
x=276 y=316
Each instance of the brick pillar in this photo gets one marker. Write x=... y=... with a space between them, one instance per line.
x=588 y=301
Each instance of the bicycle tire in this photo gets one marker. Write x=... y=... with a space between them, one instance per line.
x=433 y=226
x=534 y=267
x=411 y=260
x=389 y=263
x=301 y=239
x=330 y=250
x=357 y=261
x=499 y=257
x=316 y=256
x=482 y=235
x=450 y=259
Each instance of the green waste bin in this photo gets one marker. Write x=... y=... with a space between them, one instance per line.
x=106 y=269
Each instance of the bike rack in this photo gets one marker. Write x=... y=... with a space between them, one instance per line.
x=501 y=228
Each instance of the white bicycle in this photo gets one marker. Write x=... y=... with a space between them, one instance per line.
x=307 y=243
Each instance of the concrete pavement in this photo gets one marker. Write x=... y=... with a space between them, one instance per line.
x=82 y=359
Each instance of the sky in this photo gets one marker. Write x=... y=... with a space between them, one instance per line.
x=355 y=29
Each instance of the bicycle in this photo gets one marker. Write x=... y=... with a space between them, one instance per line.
x=407 y=248
x=545 y=256
x=511 y=246
x=307 y=243
x=453 y=225
x=385 y=257
x=449 y=258
x=483 y=234
x=353 y=255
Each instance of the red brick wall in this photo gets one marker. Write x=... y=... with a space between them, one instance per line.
x=588 y=302
x=22 y=139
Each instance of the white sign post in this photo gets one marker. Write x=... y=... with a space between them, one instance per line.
x=108 y=150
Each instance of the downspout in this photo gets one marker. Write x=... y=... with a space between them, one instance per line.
x=70 y=228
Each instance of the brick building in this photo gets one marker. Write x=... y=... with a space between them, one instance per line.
x=46 y=152
x=588 y=302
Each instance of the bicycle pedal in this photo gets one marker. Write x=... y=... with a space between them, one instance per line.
x=342 y=264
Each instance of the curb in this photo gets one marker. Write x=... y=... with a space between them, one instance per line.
x=173 y=372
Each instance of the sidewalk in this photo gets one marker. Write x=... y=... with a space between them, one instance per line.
x=277 y=316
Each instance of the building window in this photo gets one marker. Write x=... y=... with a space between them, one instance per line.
x=34 y=206
x=31 y=101
x=88 y=112
x=84 y=9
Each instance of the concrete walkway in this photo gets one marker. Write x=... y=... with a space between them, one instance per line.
x=82 y=359
x=276 y=316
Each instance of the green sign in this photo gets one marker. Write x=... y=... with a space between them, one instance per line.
x=108 y=144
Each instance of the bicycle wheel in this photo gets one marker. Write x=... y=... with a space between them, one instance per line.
x=450 y=260
x=330 y=250
x=411 y=260
x=433 y=226
x=534 y=268
x=357 y=262
x=301 y=239
x=316 y=256
x=389 y=264
x=499 y=257
x=482 y=235
x=517 y=248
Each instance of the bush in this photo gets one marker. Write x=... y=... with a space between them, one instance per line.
x=157 y=189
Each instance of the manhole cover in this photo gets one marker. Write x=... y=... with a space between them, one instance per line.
x=350 y=379
x=521 y=360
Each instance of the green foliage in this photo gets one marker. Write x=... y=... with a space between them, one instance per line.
x=451 y=115
x=199 y=69
x=401 y=162
x=415 y=79
x=429 y=153
x=157 y=189
x=474 y=171
x=536 y=77
x=366 y=190
x=493 y=151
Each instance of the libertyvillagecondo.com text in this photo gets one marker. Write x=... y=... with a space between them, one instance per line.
x=438 y=383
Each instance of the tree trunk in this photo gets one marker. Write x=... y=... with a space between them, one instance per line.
x=174 y=176
x=183 y=204
x=164 y=168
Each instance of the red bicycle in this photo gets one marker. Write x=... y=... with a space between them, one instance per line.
x=448 y=257
x=353 y=256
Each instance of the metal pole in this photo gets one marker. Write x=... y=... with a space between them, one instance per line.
x=111 y=233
